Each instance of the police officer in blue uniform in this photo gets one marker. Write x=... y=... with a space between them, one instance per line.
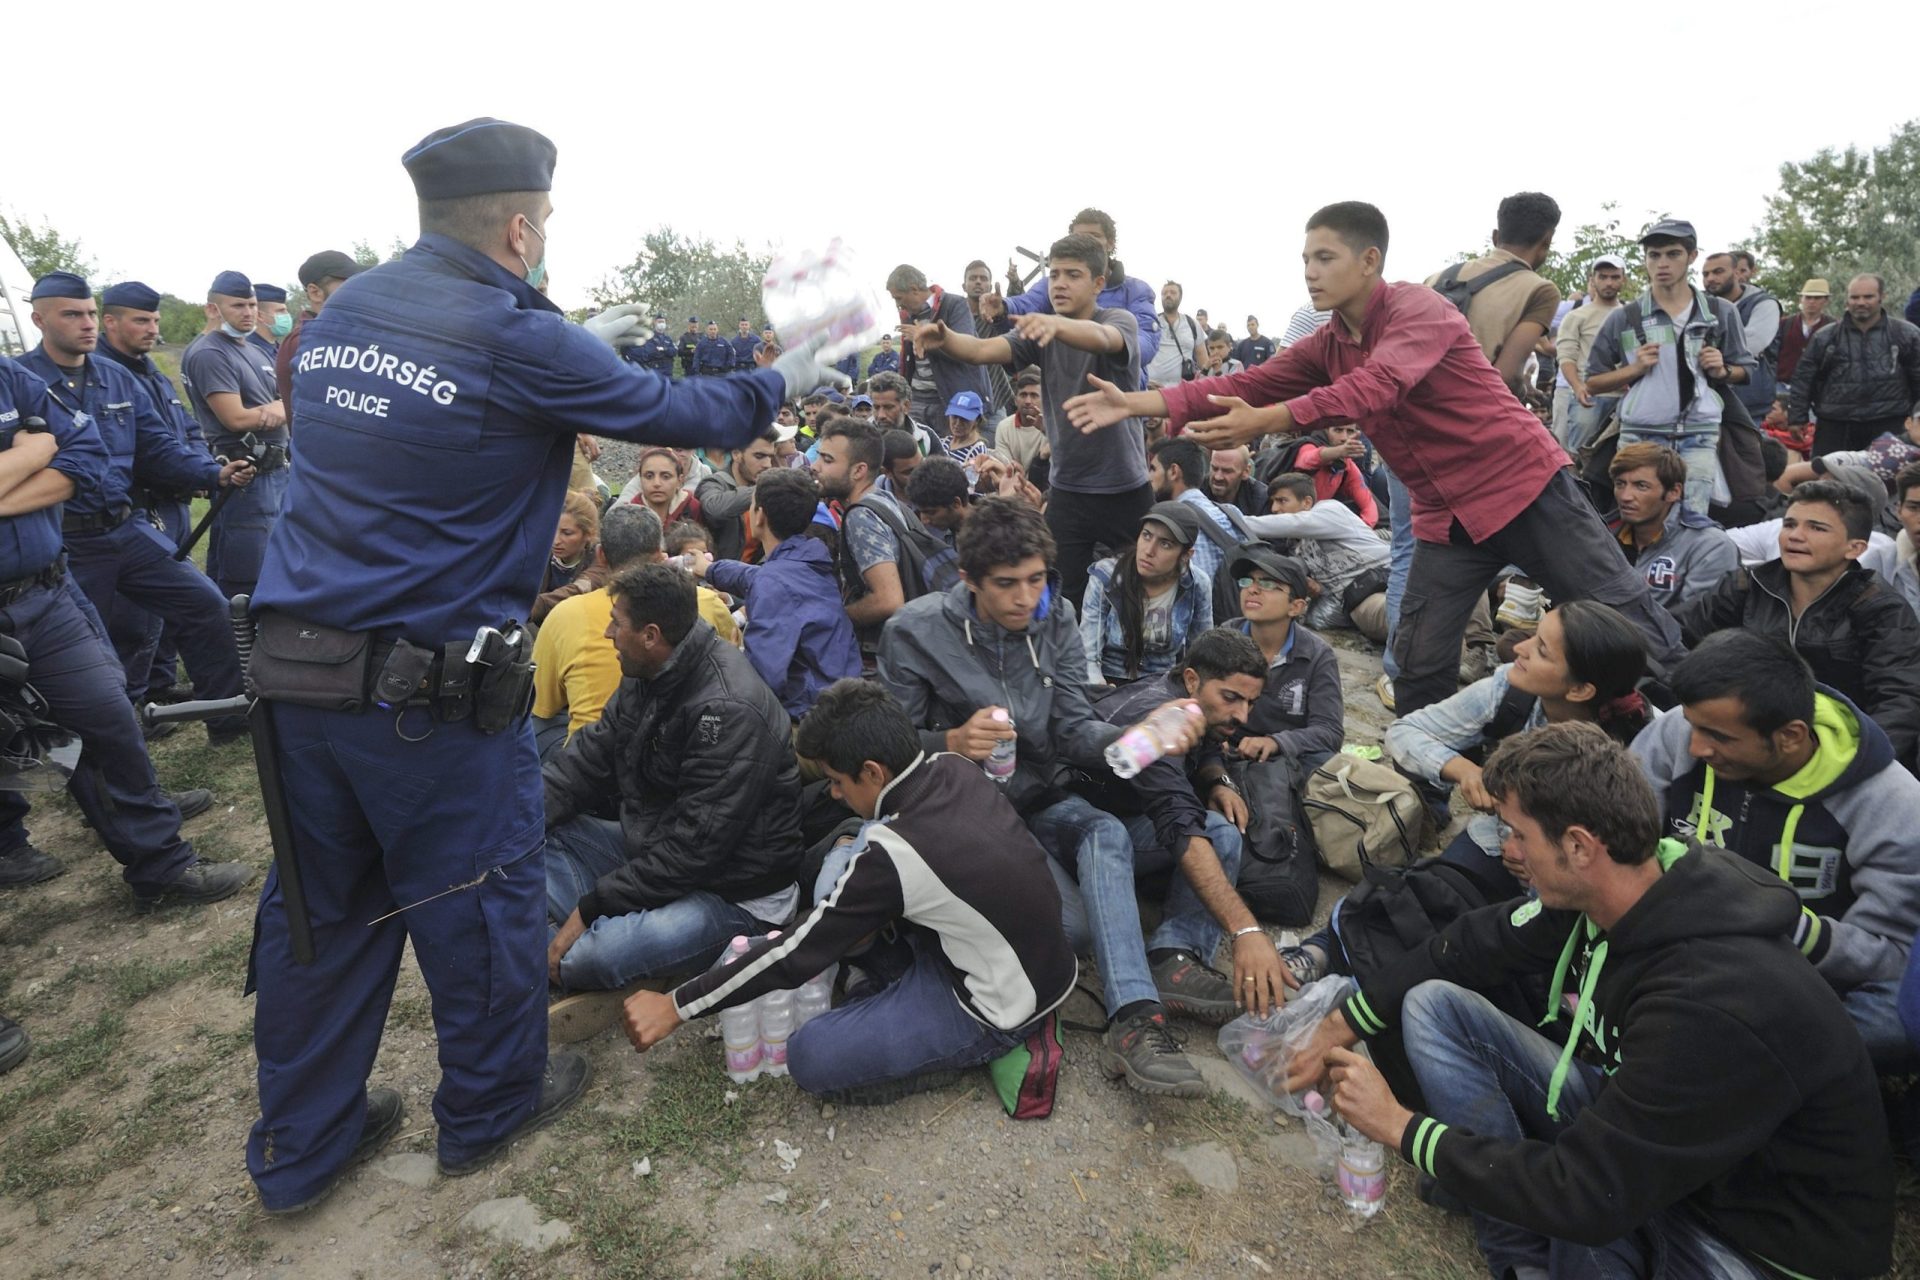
x=108 y=551
x=231 y=385
x=274 y=321
x=438 y=397
x=714 y=356
x=849 y=367
x=657 y=352
x=688 y=345
x=47 y=457
x=885 y=360
x=129 y=330
x=744 y=343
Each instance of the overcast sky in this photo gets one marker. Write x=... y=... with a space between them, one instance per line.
x=178 y=141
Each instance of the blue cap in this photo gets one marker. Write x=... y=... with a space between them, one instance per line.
x=863 y=401
x=269 y=293
x=232 y=284
x=965 y=405
x=132 y=294
x=479 y=157
x=1672 y=229
x=60 y=284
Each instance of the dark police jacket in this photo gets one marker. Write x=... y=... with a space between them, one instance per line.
x=31 y=542
x=438 y=398
x=656 y=353
x=688 y=344
x=708 y=790
x=713 y=355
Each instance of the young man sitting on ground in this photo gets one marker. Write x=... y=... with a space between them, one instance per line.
x=1760 y=761
x=1853 y=629
x=1682 y=554
x=978 y=959
x=697 y=753
x=1336 y=471
x=1711 y=1112
x=1003 y=641
x=1337 y=549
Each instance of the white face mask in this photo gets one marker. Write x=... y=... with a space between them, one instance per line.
x=230 y=331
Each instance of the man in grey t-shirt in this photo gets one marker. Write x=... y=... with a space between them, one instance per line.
x=1099 y=489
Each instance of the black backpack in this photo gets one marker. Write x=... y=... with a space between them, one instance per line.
x=1461 y=293
x=1279 y=876
x=926 y=562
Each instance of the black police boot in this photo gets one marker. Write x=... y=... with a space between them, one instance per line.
x=14 y=1045
x=155 y=732
x=27 y=865
x=200 y=883
x=565 y=1081
x=384 y=1110
x=191 y=803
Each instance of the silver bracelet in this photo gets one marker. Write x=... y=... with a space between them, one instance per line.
x=1241 y=933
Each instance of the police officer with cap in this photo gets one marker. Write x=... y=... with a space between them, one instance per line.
x=129 y=330
x=744 y=343
x=47 y=457
x=230 y=386
x=714 y=356
x=657 y=352
x=108 y=551
x=320 y=275
x=438 y=397
x=689 y=344
x=274 y=322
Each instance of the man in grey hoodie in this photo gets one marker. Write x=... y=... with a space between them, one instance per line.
x=1683 y=554
x=1334 y=544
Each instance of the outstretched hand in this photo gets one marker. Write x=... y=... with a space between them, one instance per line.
x=1239 y=423
x=1038 y=327
x=1101 y=407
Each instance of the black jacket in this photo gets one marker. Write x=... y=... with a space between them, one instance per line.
x=1736 y=1082
x=1860 y=638
x=950 y=376
x=1851 y=376
x=1173 y=790
x=699 y=762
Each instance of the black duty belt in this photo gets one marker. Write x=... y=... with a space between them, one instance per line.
x=47 y=577
x=98 y=522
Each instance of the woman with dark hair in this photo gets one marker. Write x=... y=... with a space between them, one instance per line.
x=574 y=568
x=660 y=485
x=1583 y=664
x=1142 y=608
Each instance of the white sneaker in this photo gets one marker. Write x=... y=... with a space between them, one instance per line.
x=1521 y=606
x=1383 y=690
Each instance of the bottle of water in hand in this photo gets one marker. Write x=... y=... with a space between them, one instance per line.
x=1360 y=1173
x=999 y=765
x=1154 y=737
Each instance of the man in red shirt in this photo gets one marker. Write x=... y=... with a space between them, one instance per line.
x=1489 y=484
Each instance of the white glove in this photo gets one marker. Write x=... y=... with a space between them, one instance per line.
x=802 y=372
x=618 y=326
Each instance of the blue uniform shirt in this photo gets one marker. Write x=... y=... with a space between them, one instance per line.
x=713 y=355
x=159 y=389
x=744 y=345
x=884 y=361
x=655 y=353
x=135 y=436
x=263 y=343
x=31 y=542
x=214 y=363
x=438 y=398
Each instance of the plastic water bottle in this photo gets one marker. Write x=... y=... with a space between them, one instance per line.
x=1152 y=738
x=999 y=765
x=740 y=1027
x=1360 y=1168
x=776 y=1026
x=814 y=998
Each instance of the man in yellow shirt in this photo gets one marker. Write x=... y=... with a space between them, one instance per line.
x=575 y=668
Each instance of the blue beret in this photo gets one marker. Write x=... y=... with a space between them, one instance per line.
x=130 y=293
x=269 y=293
x=479 y=157
x=232 y=284
x=60 y=284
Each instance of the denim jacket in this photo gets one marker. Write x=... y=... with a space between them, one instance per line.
x=1106 y=645
x=1422 y=742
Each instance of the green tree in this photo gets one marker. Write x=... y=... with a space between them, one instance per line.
x=682 y=275
x=1840 y=213
x=367 y=256
x=181 y=320
x=42 y=249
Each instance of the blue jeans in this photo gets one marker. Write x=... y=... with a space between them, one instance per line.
x=1399 y=565
x=1095 y=858
x=1874 y=1008
x=680 y=938
x=909 y=1027
x=1488 y=1074
x=1698 y=447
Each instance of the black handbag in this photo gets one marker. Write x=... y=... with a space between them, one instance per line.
x=1279 y=865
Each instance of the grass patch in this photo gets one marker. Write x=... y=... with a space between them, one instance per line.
x=685 y=1112
x=764 y=1266
x=60 y=1063
x=1146 y=1256
x=411 y=1013
x=134 y=980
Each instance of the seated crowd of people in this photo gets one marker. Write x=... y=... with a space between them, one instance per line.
x=857 y=692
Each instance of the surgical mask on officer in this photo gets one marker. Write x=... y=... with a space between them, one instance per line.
x=282 y=324
x=230 y=331
x=660 y=326
x=537 y=273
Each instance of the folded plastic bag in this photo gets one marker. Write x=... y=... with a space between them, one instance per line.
x=1261 y=1048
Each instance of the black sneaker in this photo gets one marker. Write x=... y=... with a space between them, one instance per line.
x=222 y=736
x=880 y=1093
x=1145 y=1052
x=191 y=803
x=14 y=1045
x=1187 y=986
x=200 y=883
x=565 y=1081
x=27 y=865
x=1304 y=963
x=155 y=732
x=384 y=1110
